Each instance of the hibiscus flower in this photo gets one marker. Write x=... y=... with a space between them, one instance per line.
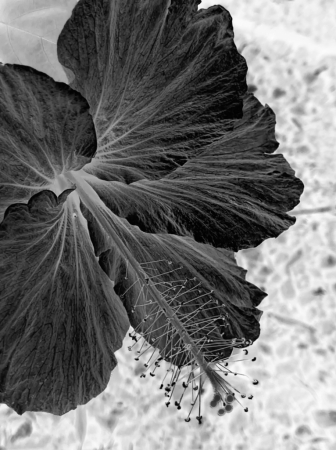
x=123 y=198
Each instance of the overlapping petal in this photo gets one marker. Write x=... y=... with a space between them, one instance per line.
x=182 y=148
x=46 y=130
x=192 y=270
x=60 y=320
x=161 y=79
x=233 y=195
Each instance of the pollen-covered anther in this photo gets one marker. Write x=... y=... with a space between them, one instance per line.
x=228 y=408
x=221 y=412
x=217 y=397
x=229 y=398
x=213 y=403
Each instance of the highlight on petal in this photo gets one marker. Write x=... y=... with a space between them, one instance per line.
x=182 y=148
x=29 y=32
x=46 y=130
x=60 y=320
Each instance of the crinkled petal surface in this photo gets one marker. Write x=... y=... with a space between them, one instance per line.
x=170 y=260
x=60 y=320
x=184 y=160
x=28 y=33
x=166 y=87
x=46 y=130
x=232 y=195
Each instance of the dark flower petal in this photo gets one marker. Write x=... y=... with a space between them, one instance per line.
x=233 y=195
x=60 y=320
x=162 y=80
x=183 y=150
x=175 y=155
x=46 y=130
x=169 y=261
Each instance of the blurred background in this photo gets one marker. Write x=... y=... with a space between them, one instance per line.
x=290 y=48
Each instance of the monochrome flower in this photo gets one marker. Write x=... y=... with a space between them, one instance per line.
x=124 y=196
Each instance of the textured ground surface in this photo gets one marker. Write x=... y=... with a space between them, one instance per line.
x=291 y=53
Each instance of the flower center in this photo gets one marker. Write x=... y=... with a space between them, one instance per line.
x=60 y=184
